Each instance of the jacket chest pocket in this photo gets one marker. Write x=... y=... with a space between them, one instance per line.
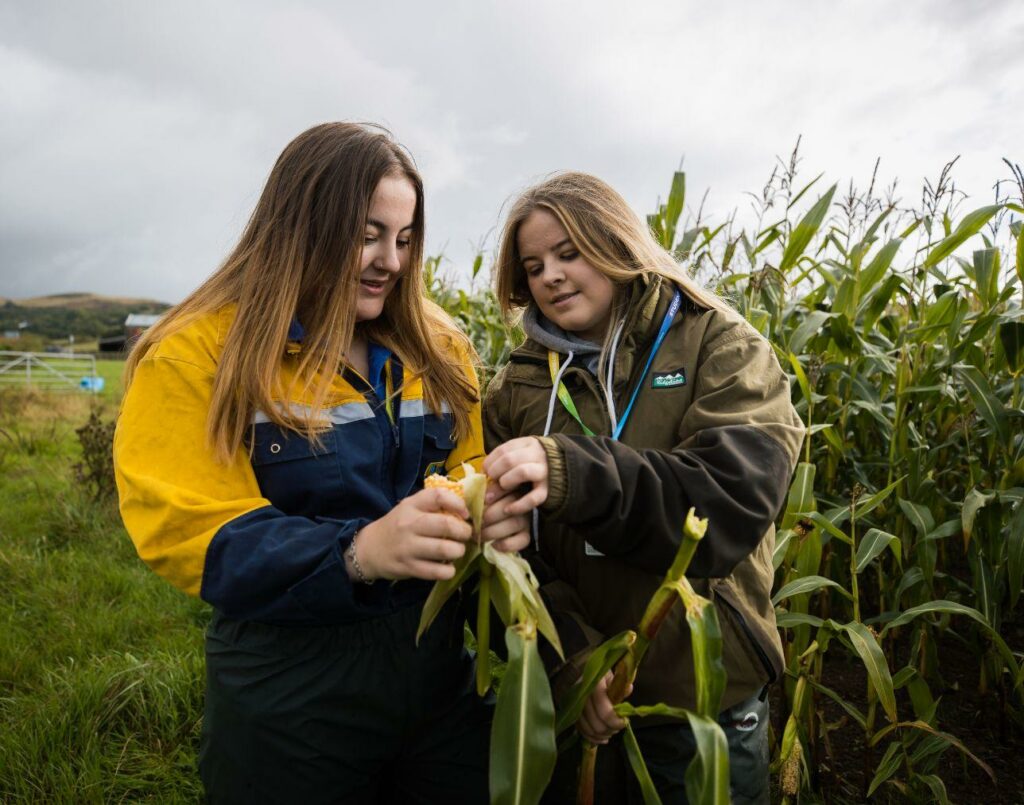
x=438 y=442
x=295 y=475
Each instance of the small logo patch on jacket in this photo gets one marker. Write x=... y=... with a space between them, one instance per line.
x=667 y=380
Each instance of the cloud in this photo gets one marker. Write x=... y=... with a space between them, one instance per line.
x=131 y=157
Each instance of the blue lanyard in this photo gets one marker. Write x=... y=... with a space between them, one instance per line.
x=673 y=308
x=566 y=400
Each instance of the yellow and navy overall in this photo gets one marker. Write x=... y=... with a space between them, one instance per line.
x=316 y=691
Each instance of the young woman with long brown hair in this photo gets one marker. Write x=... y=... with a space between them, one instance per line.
x=637 y=395
x=270 y=454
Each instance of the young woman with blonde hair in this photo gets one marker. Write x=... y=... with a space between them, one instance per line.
x=270 y=454
x=637 y=395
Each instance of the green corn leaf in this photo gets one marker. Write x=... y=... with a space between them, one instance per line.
x=502 y=603
x=872 y=544
x=970 y=225
x=523 y=748
x=973 y=503
x=790 y=620
x=919 y=516
x=1011 y=335
x=887 y=767
x=803 y=190
x=759 y=319
x=869 y=504
x=801 y=376
x=767 y=238
x=685 y=246
x=874 y=305
x=903 y=676
x=955 y=608
x=875 y=270
x=847 y=296
x=806 y=563
x=730 y=250
x=870 y=653
x=525 y=602
x=908 y=581
x=846 y=338
x=801 y=494
x=928 y=747
x=984 y=581
x=936 y=786
x=804 y=231
x=474 y=488
x=947 y=529
x=921 y=698
x=1015 y=554
x=707 y=778
x=599 y=663
x=483 y=630
x=782 y=540
x=627 y=711
x=674 y=208
x=986 y=275
x=807 y=584
x=808 y=328
x=706 y=641
x=636 y=762
x=1020 y=255
x=824 y=522
x=747 y=248
x=834 y=441
x=873 y=229
x=940 y=314
x=465 y=567
x=925 y=727
x=852 y=711
x=656 y=225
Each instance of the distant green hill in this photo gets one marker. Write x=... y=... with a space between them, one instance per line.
x=86 y=316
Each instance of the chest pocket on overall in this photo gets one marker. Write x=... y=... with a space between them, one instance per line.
x=437 y=443
x=296 y=476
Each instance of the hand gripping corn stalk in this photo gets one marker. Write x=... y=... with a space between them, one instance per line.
x=707 y=778
x=523 y=749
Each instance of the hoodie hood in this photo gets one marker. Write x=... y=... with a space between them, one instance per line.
x=550 y=336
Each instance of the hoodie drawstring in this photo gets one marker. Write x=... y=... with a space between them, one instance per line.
x=547 y=430
x=609 y=397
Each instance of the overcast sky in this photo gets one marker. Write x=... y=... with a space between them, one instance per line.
x=136 y=136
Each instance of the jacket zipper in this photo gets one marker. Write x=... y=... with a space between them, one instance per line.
x=758 y=648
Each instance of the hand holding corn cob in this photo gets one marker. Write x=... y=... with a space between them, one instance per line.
x=419 y=538
x=507 y=532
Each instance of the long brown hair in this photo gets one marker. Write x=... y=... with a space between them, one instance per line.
x=601 y=225
x=299 y=257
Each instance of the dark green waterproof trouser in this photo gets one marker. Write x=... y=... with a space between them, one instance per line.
x=353 y=714
x=667 y=750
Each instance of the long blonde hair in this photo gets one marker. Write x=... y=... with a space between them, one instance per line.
x=602 y=227
x=299 y=257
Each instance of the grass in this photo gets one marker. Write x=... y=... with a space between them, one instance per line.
x=101 y=665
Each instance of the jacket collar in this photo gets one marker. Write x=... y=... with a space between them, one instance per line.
x=649 y=298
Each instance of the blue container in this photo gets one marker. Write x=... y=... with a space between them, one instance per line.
x=92 y=384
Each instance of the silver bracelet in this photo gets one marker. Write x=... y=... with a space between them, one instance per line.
x=350 y=552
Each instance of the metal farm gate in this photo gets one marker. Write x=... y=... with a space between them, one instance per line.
x=52 y=371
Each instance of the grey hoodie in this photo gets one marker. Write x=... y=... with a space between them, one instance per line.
x=551 y=336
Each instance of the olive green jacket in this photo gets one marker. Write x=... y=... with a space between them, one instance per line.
x=713 y=428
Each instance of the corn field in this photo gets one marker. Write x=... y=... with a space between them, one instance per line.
x=902 y=330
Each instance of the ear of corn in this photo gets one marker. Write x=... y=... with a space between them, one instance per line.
x=523 y=747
